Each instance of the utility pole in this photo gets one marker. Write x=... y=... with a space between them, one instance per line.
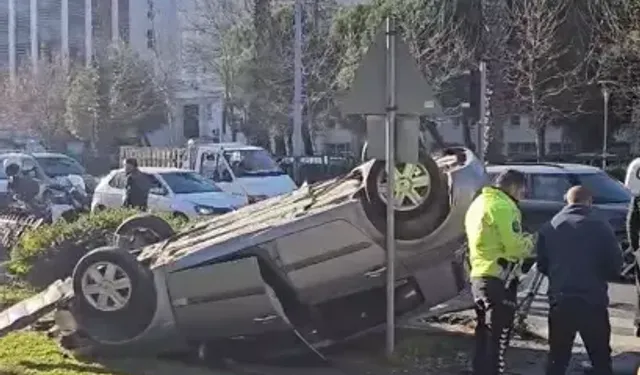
x=605 y=97
x=12 y=41
x=483 y=110
x=297 y=142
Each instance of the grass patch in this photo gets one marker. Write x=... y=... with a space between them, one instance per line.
x=12 y=294
x=31 y=353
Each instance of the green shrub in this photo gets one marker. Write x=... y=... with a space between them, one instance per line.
x=14 y=293
x=49 y=252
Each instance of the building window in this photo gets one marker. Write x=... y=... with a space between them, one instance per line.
x=515 y=121
x=150 y=39
x=555 y=147
x=521 y=148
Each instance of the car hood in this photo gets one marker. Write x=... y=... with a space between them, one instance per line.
x=218 y=199
x=269 y=186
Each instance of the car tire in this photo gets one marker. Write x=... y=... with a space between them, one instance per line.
x=412 y=222
x=142 y=230
x=105 y=317
x=180 y=216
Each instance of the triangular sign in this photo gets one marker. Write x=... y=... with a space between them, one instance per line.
x=368 y=93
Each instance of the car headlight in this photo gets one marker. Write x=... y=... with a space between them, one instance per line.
x=207 y=210
x=257 y=198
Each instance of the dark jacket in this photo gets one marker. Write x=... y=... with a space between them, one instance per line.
x=633 y=223
x=579 y=253
x=137 y=190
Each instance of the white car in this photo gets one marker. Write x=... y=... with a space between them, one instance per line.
x=181 y=192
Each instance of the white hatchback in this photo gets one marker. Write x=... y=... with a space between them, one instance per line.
x=181 y=192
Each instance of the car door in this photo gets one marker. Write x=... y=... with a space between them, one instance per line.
x=544 y=198
x=113 y=194
x=159 y=195
x=331 y=260
x=223 y=176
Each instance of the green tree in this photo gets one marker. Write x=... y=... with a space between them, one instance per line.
x=429 y=27
x=35 y=102
x=119 y=96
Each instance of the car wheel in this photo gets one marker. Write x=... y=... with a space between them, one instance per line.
x=180 y=216
x=421 y=197
x=142 y=230
x=115 y=296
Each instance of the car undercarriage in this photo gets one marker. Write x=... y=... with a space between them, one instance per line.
x=296 y=272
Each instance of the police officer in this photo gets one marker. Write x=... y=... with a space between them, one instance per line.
x=137 y=186
x=633 y=235
x=493 y=226
x=579 y=253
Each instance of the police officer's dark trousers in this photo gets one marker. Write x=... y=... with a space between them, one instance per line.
x=575 y=315
x=495 y=308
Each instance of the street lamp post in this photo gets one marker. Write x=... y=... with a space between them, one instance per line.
x=605 y=97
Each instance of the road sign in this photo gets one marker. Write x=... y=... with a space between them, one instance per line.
x=368 y=93
x=388 y=82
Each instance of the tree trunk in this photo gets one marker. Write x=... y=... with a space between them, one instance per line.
x=494 y=41
x=541 y=149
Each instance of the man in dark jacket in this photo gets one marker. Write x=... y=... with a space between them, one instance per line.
x=633 y=235
x=137 y=186
x=579 y=253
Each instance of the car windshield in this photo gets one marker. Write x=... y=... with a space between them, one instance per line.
x=252 y=163
x=189 y=183
x=56 y=166
x=604 y=188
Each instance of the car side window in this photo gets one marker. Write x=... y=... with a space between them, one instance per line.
x=118 y=181
x=155 y=186
x=549 y=187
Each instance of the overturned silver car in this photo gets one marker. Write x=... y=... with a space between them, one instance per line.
x=303 y=269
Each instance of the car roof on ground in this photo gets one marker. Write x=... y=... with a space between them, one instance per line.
x=155 y=170
x=545 y=168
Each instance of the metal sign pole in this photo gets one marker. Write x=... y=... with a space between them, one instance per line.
x=390 y=169
x=483 y=110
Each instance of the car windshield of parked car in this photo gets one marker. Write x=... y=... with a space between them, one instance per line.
x=189 y=183
x=252 y=163
x=56 y=166
x=604 y=188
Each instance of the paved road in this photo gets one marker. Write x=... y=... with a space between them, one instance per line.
x=621 y=309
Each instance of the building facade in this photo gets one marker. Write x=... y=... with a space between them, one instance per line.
x=38 y=29
x=78 y=29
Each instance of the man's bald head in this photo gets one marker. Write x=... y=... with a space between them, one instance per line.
x=579 y=195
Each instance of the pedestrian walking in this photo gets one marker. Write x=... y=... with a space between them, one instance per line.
x=633 y=236
x=579 y=253
x=496 y=241
x=137 y=186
